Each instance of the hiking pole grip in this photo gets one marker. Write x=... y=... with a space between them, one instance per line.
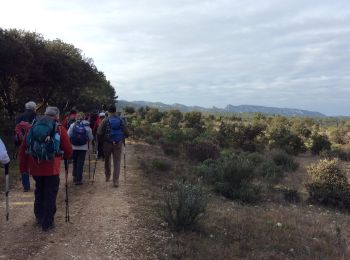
x=7 y=191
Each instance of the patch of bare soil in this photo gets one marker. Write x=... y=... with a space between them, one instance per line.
x=105 y=222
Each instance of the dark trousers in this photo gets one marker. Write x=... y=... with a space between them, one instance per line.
x=78 y=165
x=100 y=152
x=114 y=151
x=46 y=188
x=25 y=181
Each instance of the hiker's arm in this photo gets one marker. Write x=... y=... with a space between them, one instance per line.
x=89 y=133
x=66 y=146
x=70 y=130
x=4 y=158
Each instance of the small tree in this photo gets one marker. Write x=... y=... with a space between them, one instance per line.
x=329 y=184
x=320 y=143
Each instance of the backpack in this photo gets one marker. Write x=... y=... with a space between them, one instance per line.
x=79 y=134
x=43 y=139
x=20 y=131
x=115 y=132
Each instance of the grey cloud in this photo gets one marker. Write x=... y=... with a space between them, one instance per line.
x=291 y=53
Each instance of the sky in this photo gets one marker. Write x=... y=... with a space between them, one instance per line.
x=290 y=53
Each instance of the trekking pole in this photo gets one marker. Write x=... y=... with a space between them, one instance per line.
x=93 y=174
x=124 y=162
x=89 y=158
x=7 y=191
x=66 y=200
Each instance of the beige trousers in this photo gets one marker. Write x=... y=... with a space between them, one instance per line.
x=115 y=151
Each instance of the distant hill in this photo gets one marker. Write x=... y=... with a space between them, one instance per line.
x=227 y=109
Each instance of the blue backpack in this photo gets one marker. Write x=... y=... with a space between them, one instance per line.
x=43 y=139
x=79 y=134
x=115 y=129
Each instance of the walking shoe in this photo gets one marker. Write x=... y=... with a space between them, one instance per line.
x=79 y=183
x=26 y=189
x=48 y=228
x=116 y=184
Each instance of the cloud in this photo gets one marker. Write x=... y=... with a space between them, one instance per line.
x=291 y=53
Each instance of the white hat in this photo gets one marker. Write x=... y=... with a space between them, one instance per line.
x=52 y=111
x=101 y=114
x=30 y=105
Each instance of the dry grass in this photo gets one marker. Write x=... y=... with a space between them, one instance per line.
x=271 y=230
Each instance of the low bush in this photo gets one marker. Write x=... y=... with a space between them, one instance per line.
x=284 y=160
x=336 y=153
x=291 y=195
x=320 y=143
x=161 y=165
x=329 y=184
x=270 y=172
x=182 y=206
x=201 y=150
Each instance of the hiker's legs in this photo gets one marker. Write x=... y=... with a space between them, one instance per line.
x=117 y=151
x=107 y=149
x=80 y=165
x=100 y=153
x=39 y=197
x=25 y=181
x=51 y=185
x=75 y=165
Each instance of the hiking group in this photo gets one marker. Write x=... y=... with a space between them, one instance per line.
x=42 y=142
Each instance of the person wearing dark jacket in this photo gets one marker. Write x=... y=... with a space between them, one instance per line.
x=28 y=116
x=46 y=172
x=112 y=131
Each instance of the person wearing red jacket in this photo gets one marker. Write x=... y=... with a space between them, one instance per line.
x=46 y=172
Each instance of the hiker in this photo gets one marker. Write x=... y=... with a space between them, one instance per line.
x=80 y=135
x=112 y=131
x=71 y=118
x=100 y=154
x=40 y=155
x=4 y=158
x=23 y=123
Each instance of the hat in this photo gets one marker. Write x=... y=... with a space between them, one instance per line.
x=101 y=114
x=112 y=108
x=52 y=111
x=30 y=105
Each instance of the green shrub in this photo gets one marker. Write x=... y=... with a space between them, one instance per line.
x=201 y=150
x=270 y=172
x=182 y=206
x=194 y=120
x=291 y=195
x=282 y=138
x=329 y=185
x=336 y=153
x=209 y=171
x=161 y=165
x=284 y=160
x=236 y=179
x=320 y=143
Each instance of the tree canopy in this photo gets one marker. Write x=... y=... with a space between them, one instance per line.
x=48 y=72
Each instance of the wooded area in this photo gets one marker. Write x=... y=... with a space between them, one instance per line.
x=49 y=72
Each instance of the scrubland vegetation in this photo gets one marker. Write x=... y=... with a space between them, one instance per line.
x=247 y=186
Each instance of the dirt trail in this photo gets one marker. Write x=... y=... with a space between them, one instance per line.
x=106 y=222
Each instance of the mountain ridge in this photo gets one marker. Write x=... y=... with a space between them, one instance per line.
x=228 y=109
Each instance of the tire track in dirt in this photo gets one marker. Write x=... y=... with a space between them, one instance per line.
x=106 y=222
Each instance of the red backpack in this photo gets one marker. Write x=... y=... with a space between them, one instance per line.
x=20 y=131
